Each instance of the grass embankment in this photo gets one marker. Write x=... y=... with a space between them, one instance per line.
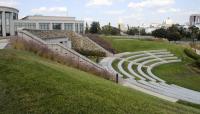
x=183 y=74
x=30 y=84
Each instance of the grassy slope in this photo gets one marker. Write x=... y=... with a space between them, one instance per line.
x=29 y=84
x=179 y=73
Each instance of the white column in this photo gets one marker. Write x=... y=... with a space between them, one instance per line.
x=37 y=26
x=12 y=33
x=79 y=28
x=3 y=24
x=83 y=28
x=74 y=27
x=50 y=26
x=62 y=26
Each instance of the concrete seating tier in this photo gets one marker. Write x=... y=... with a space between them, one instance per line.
x=3 y=43
x=140 y=76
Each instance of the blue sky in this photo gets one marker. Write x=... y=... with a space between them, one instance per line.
x=132 y=12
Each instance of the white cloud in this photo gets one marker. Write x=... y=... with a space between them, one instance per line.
x=57 y=11
x=132 y=19
x=101 y=2
x=150 y=3
x=168 y=10
x=115 y=12
x=9 y=3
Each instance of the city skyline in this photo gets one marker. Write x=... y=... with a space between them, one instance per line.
x=132 y=12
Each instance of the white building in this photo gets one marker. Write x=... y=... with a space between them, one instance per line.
x=153 y=26
x=167 y=23
x=9 y=23
x=122 y=27
x=195 y=20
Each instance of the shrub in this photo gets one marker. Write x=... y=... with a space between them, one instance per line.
x=91 y=53
x=190 y=53
x=45 y=52
x=197 y=62
x=102 y=42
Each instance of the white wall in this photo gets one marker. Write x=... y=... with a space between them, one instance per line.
x=65 y=41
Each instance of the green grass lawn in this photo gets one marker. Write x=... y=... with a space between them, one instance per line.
x=33 y=85
x=181 y=74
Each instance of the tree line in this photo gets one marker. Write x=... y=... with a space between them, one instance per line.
x=177 y=32
x=173 y=33
x=95 y=28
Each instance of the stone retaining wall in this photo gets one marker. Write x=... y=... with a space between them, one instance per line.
x=78 y=41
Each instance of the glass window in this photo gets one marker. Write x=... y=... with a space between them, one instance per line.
x=57 y=26
x=25 y=25
x=81 y=28
x=7 y=19
x=15 y=16
x=44 y=26
x=69 y=26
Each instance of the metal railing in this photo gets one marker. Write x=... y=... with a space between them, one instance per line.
x=24 y=34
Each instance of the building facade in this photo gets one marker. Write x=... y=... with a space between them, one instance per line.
x=9 y=22
x=7 y=17
x=195 y=20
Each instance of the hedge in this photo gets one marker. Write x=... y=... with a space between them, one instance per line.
x=190 y=53
x=91 y=53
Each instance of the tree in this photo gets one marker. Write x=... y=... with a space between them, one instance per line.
x=194 y=32
x=128 y=27
x=95 y=28
x=194 y=29
x=173 y=36
x=142 y=32
x=115 y=31
x=198 y=36
x=87 y=28
x=109 y=30
x=109 y=27
x=160 y=33
x=106 y=30
x=133 y=31
x=119 y=27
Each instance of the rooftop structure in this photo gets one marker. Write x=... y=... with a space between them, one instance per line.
x=49 y=18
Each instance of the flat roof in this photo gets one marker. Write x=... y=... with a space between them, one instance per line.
x=195 y=15
x=9 y=8
x=51 y=18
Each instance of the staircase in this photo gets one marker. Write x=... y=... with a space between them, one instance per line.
x=62 y=50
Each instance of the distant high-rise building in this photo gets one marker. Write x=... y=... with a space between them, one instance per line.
x=195 y=20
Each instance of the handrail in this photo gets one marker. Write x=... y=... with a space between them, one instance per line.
x=63 y=47
x=75 y=53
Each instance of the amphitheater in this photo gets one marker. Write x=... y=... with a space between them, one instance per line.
x=135 y=69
